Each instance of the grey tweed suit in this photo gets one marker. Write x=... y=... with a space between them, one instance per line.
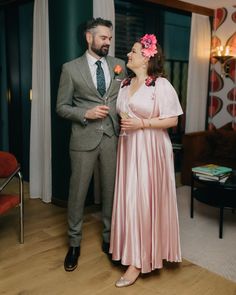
x=77 y=94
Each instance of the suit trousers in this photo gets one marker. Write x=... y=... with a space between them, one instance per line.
x=82 y=167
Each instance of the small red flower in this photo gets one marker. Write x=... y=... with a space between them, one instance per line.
x=150 y=81
x=117 y=70
x=126 y=82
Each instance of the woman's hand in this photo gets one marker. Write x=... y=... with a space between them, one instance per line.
x=131 y=124
x=153 y=123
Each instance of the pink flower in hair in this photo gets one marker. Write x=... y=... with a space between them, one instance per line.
x=149 y=42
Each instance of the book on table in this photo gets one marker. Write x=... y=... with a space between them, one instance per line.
x=212 y=170
x=221 y=179
x=213 y=177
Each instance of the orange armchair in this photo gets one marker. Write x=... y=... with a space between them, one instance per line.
x=9 y=168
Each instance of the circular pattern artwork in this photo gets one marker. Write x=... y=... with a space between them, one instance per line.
x=223 y=75
x=231 y=108
x=231 y=42
x=231 y=95
x=234 y=17
x=220 y=17
x=216 y=81
x=215 y=106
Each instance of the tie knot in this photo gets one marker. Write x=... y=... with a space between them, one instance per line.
x=98 y=63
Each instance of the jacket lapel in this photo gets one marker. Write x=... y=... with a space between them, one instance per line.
x=86 y=75
x=110 y=66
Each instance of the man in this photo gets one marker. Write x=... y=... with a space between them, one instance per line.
x=87 y=96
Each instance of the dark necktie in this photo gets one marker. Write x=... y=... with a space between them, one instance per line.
x=101 y=85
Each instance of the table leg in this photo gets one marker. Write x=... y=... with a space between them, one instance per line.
x=192 y=199
x=221 y=222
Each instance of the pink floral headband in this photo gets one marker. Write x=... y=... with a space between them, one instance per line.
x=149 y=42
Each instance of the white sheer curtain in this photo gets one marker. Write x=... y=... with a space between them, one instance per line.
x=198 y=73
x=40 y=133
x=106 y=9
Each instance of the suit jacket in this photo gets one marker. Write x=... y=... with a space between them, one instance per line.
x=77 y=94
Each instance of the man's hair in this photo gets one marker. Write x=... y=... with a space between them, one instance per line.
x=93 y=23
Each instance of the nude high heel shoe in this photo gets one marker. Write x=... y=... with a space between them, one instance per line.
x=123 y=282
x=133 y=273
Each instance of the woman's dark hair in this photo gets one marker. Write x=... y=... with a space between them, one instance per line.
x=156 y=64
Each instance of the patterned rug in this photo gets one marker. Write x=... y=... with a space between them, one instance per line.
x=200 y=241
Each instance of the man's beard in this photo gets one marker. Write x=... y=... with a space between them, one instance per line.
x=102 y=51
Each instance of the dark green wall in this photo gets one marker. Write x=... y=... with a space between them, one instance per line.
x=18 y=51
x=66 y=43
x=13 y=80
x=3 y=87
x=25 y=52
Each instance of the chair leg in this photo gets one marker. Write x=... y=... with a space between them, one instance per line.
x=221 y=222
x=21 y=207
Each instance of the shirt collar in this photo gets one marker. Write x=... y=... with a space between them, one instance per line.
x=91 y=59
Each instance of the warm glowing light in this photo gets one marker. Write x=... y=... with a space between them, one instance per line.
x=222 y=51
x=227 y=50
x=30 y=94
x=222 y=54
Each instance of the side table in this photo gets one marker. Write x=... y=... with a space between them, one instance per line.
x=214 y=193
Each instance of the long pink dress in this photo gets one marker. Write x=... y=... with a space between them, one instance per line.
x=145 y=227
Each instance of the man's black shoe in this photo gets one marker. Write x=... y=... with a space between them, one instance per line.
x=105 y=247
x=71 y=259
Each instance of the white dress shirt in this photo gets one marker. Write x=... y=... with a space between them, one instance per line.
x=93 y=68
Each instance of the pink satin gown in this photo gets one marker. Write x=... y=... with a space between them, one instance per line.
x=145 y=227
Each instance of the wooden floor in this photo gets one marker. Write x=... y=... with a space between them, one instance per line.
x=36 y=267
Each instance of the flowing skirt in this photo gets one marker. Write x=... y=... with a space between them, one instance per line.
x=145 y=227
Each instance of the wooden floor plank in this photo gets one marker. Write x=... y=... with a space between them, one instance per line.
x=36 y=268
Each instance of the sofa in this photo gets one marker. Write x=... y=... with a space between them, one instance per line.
x=211 y=146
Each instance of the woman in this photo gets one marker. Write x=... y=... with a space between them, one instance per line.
x=145 y=228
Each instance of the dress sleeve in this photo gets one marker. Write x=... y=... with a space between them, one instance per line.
x=167 y=99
